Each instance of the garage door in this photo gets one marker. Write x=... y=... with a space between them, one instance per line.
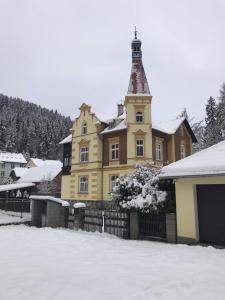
x=211 y=213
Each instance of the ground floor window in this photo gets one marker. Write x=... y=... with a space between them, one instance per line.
x=84 y=184
x=159 y=151
x=113 y=181
x=182 y=151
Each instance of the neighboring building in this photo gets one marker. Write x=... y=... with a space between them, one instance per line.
x=37 y=162
x=98 y=151
x=200 y=195
x=47 y=178
x=9 y=161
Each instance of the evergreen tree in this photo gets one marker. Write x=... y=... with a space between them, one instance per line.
x=220 y=114
x=212 y=131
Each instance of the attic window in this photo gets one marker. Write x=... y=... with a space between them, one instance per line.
x=84 y=128
x=111 y=124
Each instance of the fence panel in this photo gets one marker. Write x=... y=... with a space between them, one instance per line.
x=152 y=225
x=15 y=205
x=93 y=220
x=117 y=223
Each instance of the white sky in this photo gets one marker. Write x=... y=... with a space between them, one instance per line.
x=60 y=53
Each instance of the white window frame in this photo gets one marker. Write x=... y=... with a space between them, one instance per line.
x=139 y=117
x=83 y=154
x=83 y=184
x=159 y=151
x=114 y=151
x=139 y=146
x=113 y=181
x=182 y=151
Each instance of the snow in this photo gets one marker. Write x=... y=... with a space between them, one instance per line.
x=15 y=186
x=79 y=205
x=67 y=140
x=19 y=171
x=169 y=127
x=12 y=157
x=8 y=217
x=210 y=161
x=122 y=125
x=45 y=172
x=50 y=198
x=40 y=162
x=45 y=263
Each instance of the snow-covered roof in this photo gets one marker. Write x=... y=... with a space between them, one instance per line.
x=50 y=198
x=210 y=161
x=19 y=171
x=67 y=140
x=42 y=173
x=15 y=186
x=79 y=205
x=169 y=127
x=122 y=125
x=12 y=157
x=40 y=162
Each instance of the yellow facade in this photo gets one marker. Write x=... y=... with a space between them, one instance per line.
x=186 y=204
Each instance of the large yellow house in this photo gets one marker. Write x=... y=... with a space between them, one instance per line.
x=98 y=151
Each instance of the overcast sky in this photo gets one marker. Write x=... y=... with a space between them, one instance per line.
x=60 y=53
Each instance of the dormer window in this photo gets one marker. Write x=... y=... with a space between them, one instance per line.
x=84 y=128
x=139 y=117
x=111 y=124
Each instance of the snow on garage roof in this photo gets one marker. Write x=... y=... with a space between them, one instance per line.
x=210 y=161
x=15 y=186
x=12 y=157
x=42 y=173
x=50 y=198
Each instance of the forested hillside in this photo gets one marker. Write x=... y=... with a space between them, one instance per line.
x=28 y=128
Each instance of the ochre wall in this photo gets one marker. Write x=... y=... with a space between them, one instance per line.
x=65 y=187
x=186 y=204
x=132 y=103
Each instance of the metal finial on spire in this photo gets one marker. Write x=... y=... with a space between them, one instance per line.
x=135 y=33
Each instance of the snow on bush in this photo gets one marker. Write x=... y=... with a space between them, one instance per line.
x=139 y=191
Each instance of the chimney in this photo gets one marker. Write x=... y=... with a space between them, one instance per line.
x=119 y=109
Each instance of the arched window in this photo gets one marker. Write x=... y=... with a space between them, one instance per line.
x=139 y=117
x=84 y=128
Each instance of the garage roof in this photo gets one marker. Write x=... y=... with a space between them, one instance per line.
x=210 y=161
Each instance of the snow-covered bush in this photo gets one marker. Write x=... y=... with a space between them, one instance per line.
x=139 y=191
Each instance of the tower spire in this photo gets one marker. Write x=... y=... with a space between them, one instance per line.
x=138 y=82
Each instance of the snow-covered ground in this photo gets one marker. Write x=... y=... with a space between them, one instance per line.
x=9 y=217
x=59 y=264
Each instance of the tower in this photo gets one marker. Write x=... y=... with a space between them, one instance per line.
x=138 y=108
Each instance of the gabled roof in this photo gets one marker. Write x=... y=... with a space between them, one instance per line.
x=40 y=162
x=12 y=157
x=122 y=125
x=210 y=161
x=42 y=173
x=19 y=171
x=67 y=140
x=171 y=127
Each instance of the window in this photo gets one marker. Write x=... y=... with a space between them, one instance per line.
x=139 y=117
x=84 y=154
x=84 y=128
x=182 y=151
x=67 y=161
x=83 y=184
x=2 y=166
x=114 y=151
x=12 y=165
x=140 y=148
x=159 y=151
x=182 y=130
x=114 y=182
x=2 y=174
